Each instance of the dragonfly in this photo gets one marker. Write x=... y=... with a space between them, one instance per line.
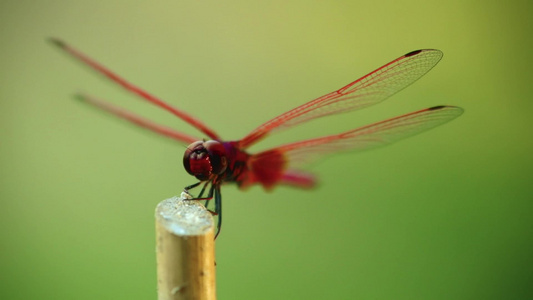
x=214 y=161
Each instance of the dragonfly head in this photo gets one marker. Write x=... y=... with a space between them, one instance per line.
x=203 y=159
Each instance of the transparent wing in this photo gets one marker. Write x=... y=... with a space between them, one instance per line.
x=366 y=137
x=368 y=90
x=134 y=89
x=137 y=120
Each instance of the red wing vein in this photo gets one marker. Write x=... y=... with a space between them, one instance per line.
x=366 y=91
x=135 y=89
x=370 y=136
x=137 y=120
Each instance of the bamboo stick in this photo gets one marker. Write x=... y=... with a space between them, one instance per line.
x=185 y=249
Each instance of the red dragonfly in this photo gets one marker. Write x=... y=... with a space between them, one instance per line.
x=214 y=161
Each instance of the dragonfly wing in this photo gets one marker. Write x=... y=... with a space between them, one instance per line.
x=134 y=89
x=367 y=90
x=367 y=137
x=137 y=120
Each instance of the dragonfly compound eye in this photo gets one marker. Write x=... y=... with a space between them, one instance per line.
x=204 y=159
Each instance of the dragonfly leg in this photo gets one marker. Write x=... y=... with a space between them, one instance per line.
x=202 y=191
x=192 y=186
x=214 y=191
x=200 y=195
x=218 y=208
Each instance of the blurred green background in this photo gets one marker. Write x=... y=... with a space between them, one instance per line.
x=443 y=215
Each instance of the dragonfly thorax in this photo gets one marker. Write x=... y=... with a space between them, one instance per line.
x=203 y=159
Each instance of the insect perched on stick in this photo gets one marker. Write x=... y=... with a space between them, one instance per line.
x=214 y=161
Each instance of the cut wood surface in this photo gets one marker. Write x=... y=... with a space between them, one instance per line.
x=185 y=249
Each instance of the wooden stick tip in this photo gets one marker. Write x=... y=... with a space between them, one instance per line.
x=184 y=217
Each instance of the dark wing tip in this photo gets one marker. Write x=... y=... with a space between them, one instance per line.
x=416 y=52
x=454 y=110
x=412 y=53
x=57 y=42
x=444 y=106
x=79 y=97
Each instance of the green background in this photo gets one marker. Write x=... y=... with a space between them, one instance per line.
x=443 y=215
